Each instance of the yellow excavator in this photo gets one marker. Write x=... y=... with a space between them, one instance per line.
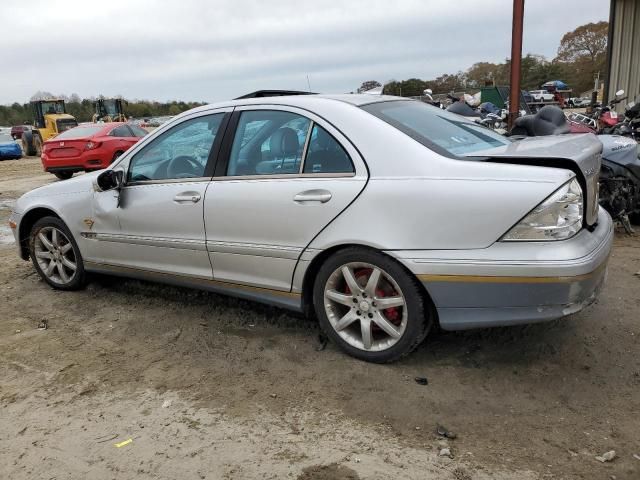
x=49 y=119
x=109 y=110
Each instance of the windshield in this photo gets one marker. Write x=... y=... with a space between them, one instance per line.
x=79 y=132
x=52 y=107
x=5 y=137
x=444 y=132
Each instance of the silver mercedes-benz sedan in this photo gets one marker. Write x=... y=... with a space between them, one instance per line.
x=382 y=216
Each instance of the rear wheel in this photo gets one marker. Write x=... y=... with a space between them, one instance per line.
x=55 y=254
x=370 y=306
x=63 y=175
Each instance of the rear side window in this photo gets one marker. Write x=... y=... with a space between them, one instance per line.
x=121 y=131
x=325 y=154
x=446 y=133
x=137 y=131
x=268 y=142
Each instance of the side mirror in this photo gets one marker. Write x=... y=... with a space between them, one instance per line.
x=428 y=91
x=619 y=93
x=110 y=180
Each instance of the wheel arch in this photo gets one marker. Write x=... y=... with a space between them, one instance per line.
x=311 y=272
x=26 y=224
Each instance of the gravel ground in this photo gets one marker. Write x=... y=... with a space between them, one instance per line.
x=212 y=387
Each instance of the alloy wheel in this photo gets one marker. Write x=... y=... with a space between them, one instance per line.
x=55 y=256
x=365 y=306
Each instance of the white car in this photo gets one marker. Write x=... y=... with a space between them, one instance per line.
x=541 y=95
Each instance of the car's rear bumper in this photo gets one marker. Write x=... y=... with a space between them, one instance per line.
x=512 y=283
x=84 y=162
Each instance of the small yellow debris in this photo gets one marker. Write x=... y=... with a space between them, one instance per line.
x=122 y=444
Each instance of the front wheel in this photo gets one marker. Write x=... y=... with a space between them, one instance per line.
x=370 y=306
x=63 y=175
x=55 y=254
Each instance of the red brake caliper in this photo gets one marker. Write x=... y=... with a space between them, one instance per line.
x=393 y=313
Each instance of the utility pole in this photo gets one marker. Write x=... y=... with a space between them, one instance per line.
x=516 y=60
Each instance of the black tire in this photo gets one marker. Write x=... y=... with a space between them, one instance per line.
x=78 y=279
x=64 y=175
x=27 y=143
x=37 y=144
x=420 y=311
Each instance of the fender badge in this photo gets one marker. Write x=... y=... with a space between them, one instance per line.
x=62 y=144
x=88 y=222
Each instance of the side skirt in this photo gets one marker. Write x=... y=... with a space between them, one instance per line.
x=278 y=298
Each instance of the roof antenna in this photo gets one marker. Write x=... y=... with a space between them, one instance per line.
x=308 y=83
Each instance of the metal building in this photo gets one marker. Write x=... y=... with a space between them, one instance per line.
x=624 y=49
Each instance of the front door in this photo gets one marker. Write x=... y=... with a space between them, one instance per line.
x=160 y=211
x=286 y=175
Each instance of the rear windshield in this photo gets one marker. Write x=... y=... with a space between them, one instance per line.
x=80 y=132
x=444 y=132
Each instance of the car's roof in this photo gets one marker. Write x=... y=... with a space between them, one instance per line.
x=357 y=100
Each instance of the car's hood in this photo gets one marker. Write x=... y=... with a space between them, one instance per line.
x=9 y=145
x=580 y=153
x=81 y=183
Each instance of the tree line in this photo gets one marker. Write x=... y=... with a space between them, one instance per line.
x=83 y=109
x=581 y=56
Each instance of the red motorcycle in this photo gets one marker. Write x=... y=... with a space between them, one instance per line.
x=603 y=120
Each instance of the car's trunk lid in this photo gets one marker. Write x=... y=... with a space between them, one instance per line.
x=580 y=153
x=65 y=148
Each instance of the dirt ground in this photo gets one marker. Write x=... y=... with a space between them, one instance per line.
x=212 y=387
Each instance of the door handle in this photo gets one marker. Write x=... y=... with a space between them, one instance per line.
x=308 y=196
x=187 y=197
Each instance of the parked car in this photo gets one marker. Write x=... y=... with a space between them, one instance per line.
x=17 y=130
x=386 y=218
x=9 y=149
x=541 y=95
x=579 y=102
x=88 y=147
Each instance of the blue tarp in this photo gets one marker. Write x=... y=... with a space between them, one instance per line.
x=558 y=84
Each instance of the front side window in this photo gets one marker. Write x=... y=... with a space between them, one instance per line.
x=444 y=132
x=180 y=152
x=268 y=142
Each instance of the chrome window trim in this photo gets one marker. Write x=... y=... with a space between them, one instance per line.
x=282 y=176
x=167 y=180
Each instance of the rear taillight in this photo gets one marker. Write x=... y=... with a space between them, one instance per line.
x=91 y=145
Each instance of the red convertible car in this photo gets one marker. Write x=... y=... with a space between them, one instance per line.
x=88 y=147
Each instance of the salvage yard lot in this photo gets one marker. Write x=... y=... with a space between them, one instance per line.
x=212 y=387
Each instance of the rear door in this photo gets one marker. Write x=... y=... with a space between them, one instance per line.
x=285 y=174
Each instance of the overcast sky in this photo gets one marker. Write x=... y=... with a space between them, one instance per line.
x=213 y=50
